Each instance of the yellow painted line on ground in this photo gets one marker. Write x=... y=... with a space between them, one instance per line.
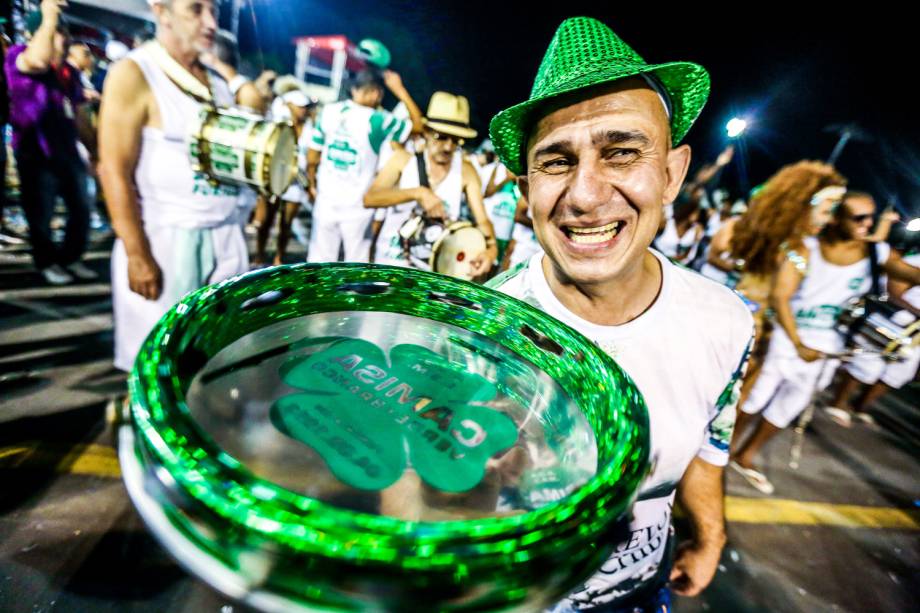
x=795 y=512
x=97 y=460
x=102 y=461
x=94 y=460
x=12 y=451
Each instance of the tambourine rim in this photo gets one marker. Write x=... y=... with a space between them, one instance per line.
x=605 y=487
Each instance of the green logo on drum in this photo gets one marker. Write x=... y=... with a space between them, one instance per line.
x=370 y=418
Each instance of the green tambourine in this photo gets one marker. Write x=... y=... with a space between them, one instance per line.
x=354 y=437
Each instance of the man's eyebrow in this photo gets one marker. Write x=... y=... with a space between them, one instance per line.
x=618 y=137
x=563 y=147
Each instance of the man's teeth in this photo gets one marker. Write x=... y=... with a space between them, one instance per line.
x=590 y=236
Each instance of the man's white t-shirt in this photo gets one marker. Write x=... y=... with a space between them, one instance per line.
x=350 y=137
x=686 y=354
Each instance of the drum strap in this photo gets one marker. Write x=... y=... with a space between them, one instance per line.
x=423 y=182
x=422 y=169
x=178 y=74
x=875 y=290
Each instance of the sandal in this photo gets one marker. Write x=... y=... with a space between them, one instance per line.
x=756 y=478
x=840 y=416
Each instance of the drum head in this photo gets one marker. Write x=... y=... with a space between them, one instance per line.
x=282 y=161
x=456 y=250
x=363 y=431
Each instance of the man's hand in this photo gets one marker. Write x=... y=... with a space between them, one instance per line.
x=726 y=156
x=432 y=203
x=265 y=82
x=393 y=81
x=51 y=10
x=482 y=263
x=890 y=216
x=807 y=353
x=145 y=277
x=694 y=567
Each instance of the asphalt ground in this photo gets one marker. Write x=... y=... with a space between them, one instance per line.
x=839 y=534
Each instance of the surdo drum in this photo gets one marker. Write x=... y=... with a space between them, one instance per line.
x=230 y=146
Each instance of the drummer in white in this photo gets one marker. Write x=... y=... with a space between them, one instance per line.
x=342 y=160
x=871 y=372
x=811 y=287
x=176 y=232
x=399 y=188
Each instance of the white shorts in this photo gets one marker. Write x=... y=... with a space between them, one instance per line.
x=870 y=368
x=329 y=233
x=786 y=384
x=295 y=194
x=184 y=270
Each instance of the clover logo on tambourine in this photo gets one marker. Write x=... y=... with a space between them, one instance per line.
x=370 y=418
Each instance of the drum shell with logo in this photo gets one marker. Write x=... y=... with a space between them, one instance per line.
x=239 y=148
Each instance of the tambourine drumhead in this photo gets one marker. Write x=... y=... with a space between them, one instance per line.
x=243 y=149
x=419 y=372
x=358 y=442
x=460 y=243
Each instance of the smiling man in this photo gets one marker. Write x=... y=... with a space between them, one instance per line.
x=596 y=148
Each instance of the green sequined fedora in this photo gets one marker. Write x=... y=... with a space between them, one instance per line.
x=583 y=53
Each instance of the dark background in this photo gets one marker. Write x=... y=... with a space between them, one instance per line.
x=789 y=72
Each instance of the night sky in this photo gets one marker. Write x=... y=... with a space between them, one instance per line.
x=789 y=74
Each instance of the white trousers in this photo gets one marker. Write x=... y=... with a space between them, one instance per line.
x=329 y=233
x=189 y=259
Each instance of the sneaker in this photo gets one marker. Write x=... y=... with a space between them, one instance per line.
x=840 y=416
x=756 y=478
x=55 y=275
x=866 y=418
x=82 y=271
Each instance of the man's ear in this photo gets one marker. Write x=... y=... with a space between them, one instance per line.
x=677 y=165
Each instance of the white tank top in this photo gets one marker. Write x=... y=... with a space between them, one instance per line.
x=169 y=191
x=824 y=292
x=449 y=191
x=671 y=245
